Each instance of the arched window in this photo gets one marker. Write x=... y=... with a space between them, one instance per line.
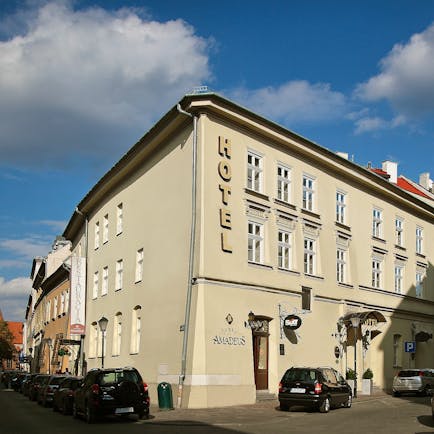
x=117 y=334
x=136 y=327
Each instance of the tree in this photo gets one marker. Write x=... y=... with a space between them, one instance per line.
x=7 y=348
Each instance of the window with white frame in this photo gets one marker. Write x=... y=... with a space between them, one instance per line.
x=399 y=231
x=119 y=219
x=117 y=334
x=397 y=350
x=419 y=240
x=309 y=256
x=306 y=298
x=105 y=280
x=96 y=242
x=283 y=183
x=119 y=274
x=62 y=303
x=341 y=265
x=255 y=242
x=139 y=265
x=420 y=275
x=136 y=329
x=95 y=284
x=341 y=207
x=105 y=229
x=48 y=311
x=377 y=222
x=377 y=264
x=67 y=301
x=308 y=192
x=285 y=249
x=55 y=308
x=254 y=172
x=399 y=278
x=93 y=340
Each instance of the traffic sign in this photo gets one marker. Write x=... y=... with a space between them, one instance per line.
x=410 y=347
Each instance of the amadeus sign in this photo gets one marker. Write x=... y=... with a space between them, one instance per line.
x=292 y=322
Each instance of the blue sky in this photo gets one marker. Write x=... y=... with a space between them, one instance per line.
x=82 y=81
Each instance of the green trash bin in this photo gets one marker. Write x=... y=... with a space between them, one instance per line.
x=165 y=401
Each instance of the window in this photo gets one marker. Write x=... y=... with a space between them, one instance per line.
x=419 y=240
x=67 y=301
x=96 y=245
x=95 y=285
x=255 y=242
x=340 y=207
x=376 y=273
x=105 y=234
x=399 y=270
x=284 y=250
x=397 y=350
x=55 y=308
x=399 y=232
x=139 y=265
x=117 y=334
x=306 y=295
x=62 y=303
x=283 y=183
x=309 y=256
x=136 y=329
x=119 y=274
x=105 y=275
x=254 y=172
x=341 y=265
x=377 y=222
x=308 y=193
x=119 y=219
x=419 y=283
x=48 y=311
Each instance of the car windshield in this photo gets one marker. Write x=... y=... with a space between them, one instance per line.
x=300 y=375
x=408 y=373
x=118 y=377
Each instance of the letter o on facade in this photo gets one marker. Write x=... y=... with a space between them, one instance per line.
x=225 y=171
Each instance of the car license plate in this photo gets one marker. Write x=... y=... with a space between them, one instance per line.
x=123 y=410
x=297 y=390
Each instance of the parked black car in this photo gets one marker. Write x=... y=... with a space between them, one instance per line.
x=39 y=381
x=115 y=391
x=46 y=392
x=27 y=384
x=64 y=394
x=320 y=388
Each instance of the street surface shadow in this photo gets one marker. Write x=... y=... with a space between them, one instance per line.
x=426 y=420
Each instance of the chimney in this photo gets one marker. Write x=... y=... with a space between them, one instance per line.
x=343 y=155
x=425 y=181
x=391 y=169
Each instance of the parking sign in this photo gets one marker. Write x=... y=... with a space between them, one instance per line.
x=410 y=347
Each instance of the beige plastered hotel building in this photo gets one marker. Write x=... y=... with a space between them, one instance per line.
x=223 y=249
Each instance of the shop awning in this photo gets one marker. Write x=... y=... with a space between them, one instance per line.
x=368 y=318
x=364 y=316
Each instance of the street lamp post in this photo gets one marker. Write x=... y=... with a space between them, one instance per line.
x=103 y=327
x=49 y=355
x=355 y=322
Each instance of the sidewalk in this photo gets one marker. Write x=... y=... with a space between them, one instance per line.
x=240 y=414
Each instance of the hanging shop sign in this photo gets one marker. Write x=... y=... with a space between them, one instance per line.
x=292 y=322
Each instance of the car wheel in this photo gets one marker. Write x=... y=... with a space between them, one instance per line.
x=89 y=415
x=143 y=414
x=396 y=393
x=325 y=406
x=284 y=407
x=74 y=411
x=349 y=401
x=65 y=408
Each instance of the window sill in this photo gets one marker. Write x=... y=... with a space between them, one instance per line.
x=257 y=194
x=260 y=265
x=288 y=271
x=346 y=285
x=310 y=213
x=342 y=226
x=380 y=240
x=420 y=255
x=313 y=276
x=397 y=246
x=285 y=204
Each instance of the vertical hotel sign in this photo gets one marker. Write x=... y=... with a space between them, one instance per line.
x=225 y=173
x=77 y=296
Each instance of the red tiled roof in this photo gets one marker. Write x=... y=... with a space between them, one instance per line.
x=16 y=329
x=405 y=185
x=380 y=172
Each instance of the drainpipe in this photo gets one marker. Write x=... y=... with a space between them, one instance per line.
x=80 y=357
x=186 y=325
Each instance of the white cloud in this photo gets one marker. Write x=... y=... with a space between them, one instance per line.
x=80 y=82
x=27 y=248
x=406 y=79
x=55 y=225
x=13 y=297
x=294 y=102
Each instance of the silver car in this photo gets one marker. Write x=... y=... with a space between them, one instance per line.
x=413 y=381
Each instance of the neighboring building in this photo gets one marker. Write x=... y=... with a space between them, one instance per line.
x=223 y=248
x=16 y=329
x=47 y=313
